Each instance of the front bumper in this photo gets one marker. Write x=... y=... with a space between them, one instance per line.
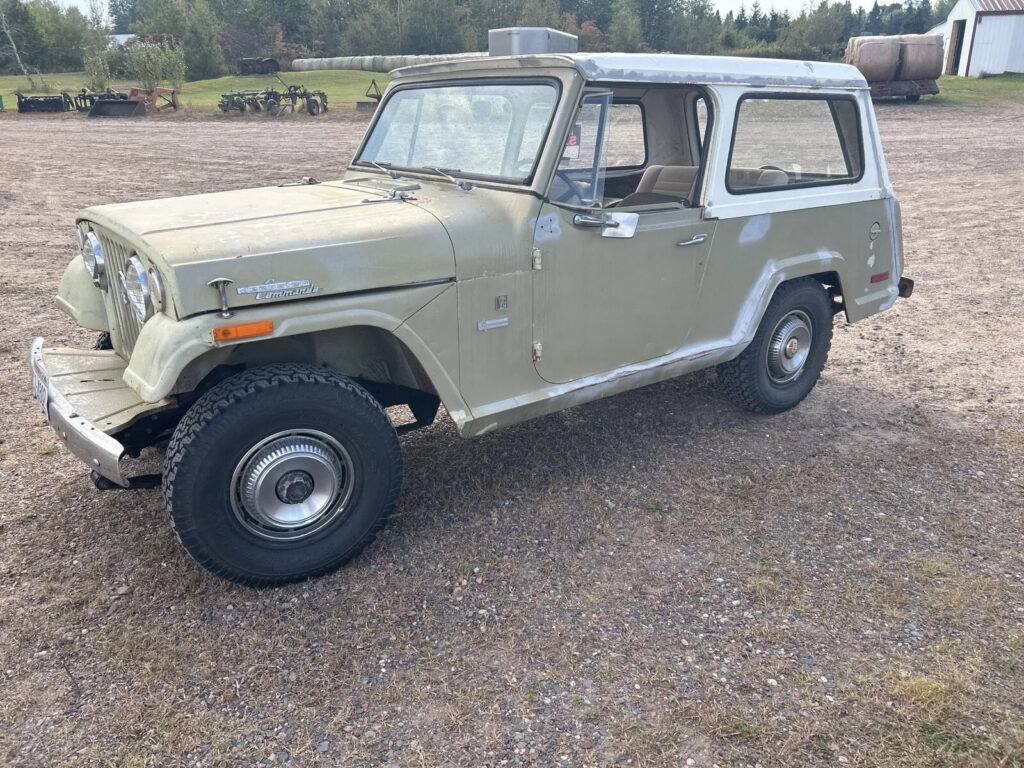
x=101 y=452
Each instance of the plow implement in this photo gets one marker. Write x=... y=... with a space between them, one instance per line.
x=274 y=101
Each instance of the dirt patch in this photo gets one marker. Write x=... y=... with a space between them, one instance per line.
x=656 y=578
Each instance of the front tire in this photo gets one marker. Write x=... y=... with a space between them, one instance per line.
x=281 y=473
x=789 y=349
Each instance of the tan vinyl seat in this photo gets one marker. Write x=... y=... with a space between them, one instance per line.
x=663 y=184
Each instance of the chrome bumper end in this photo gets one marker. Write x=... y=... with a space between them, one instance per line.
x=97 y=449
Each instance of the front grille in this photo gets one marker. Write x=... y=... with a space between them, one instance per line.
x=124 y=326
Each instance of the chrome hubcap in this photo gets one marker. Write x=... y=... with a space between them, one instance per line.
x=292 y=484
x=789 y=347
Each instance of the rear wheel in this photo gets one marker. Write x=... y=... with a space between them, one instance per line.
x=313 y=106
x=281 y=473
x=914 y=97
x=789 y=349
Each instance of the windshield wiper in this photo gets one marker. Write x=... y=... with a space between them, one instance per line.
x=384 y=167
x=460 y=183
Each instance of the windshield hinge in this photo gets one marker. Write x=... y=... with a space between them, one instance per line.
x=538 y=259
x=538 y=350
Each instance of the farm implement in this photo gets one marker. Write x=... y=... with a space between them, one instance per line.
x=54 y=103
x=273 y=101
x=135 y=103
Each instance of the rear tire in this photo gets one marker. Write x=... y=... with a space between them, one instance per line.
x=914 y=98
x=281 y=473
x=784 y=361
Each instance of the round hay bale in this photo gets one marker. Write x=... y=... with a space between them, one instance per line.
x=876 y=57
x=921 y=57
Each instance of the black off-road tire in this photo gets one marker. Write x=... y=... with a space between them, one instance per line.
x=748 y=379
x=212 y=443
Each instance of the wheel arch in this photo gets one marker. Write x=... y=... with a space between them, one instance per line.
x=390 y=363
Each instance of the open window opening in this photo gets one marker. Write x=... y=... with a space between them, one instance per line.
x=641 y=148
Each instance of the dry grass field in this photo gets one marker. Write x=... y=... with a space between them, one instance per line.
x=656 y=579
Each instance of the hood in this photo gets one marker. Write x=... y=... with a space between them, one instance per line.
x=284 y=243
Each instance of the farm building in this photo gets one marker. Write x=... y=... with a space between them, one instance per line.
x=983 y=37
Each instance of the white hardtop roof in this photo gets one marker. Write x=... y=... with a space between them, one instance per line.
x=668 y=68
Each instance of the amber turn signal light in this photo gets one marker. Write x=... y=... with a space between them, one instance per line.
x=243 y=330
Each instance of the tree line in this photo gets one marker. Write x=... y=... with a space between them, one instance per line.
x=211 y=34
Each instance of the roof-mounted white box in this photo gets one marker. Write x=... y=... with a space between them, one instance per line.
x=513 y=41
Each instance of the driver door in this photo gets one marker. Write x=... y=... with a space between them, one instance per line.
x=615 y=287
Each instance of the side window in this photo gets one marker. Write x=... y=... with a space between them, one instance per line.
x=783 y=142
x=579 y=179
x=605 y=136
x=627 y=143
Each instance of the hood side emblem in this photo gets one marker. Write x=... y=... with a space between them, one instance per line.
x=279 y=289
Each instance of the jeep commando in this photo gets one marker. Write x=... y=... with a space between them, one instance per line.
x=515 y=235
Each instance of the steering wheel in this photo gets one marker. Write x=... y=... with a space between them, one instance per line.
x=572 y=189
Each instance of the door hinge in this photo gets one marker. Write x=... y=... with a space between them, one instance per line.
x=538 y=258
x=538 y=350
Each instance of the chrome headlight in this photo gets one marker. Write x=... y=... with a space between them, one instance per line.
x=92 y=255
x=135 y=283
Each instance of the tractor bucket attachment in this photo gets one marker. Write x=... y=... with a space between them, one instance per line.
x=61 y=103
x=117 y=108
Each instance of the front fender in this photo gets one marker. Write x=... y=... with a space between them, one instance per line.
x=166 y=346
x=80 y=299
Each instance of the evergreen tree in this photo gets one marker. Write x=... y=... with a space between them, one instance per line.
x=204 y=58
x=626 y=34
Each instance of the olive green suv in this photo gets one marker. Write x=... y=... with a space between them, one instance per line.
x=515 y=236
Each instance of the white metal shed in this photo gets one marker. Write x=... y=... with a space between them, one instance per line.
x=983 y=37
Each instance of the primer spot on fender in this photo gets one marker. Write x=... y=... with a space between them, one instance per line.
x=756 y=228
x=546 y=227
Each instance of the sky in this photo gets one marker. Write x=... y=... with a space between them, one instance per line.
x=724 y=6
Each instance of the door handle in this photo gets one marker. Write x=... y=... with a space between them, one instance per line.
x=695 y=240
x=593 y=220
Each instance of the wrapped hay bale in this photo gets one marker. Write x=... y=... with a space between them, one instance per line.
x=877 y=57
x=920 y=57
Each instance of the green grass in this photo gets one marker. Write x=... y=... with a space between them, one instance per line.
x=342 y=86
x=978 y=92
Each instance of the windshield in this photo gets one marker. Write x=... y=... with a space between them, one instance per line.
x=484 y=130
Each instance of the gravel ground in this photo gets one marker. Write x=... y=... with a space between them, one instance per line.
x=656 y=579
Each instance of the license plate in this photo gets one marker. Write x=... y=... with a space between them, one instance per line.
x=41 y=389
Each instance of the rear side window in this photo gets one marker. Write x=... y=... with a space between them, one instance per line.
x=782 y=141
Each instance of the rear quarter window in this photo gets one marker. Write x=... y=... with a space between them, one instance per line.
x=783 y=141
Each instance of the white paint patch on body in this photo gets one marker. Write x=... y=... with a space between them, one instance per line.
x=546 y=227
x=756 y=228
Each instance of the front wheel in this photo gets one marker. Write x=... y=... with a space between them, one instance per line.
x=789 y=349
x=281 y=473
